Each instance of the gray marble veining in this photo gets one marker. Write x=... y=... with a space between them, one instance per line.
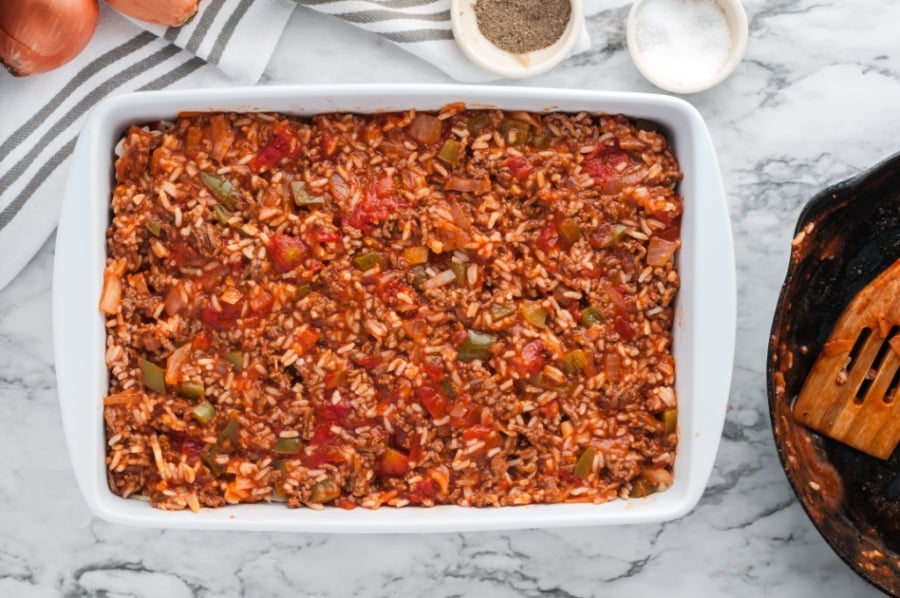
x=814 y=101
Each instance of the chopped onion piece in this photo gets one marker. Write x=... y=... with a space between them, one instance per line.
x=230 y=296
x=339 y=188
x=657 y=476
x=527 y=117
x=660 y=251
x=111 y=297
x=455 y=183
x=174 y=301
x=176 y=361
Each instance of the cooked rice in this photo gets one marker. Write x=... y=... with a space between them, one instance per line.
x=337 y=372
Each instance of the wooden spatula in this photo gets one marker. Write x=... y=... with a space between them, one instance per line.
x=851 y=392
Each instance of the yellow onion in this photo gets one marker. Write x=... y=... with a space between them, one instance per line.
x=173 y=13
x=39 y=35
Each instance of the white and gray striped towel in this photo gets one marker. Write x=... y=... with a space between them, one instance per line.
x=42 y=114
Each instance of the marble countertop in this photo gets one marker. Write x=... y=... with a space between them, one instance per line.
x=814 y=101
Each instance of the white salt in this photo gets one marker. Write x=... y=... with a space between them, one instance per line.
x=683 y=42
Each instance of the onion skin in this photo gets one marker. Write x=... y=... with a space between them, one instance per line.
x=173 y=13
x=37 y=36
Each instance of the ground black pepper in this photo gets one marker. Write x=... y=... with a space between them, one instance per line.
x=521 y=26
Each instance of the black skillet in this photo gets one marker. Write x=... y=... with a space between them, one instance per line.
x=845 y=236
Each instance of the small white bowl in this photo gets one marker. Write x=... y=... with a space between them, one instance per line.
x=486 y=55
x=736 y=19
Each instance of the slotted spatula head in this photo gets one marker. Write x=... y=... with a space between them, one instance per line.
x=850 y=393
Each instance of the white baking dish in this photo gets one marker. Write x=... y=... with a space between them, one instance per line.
x=704 y=329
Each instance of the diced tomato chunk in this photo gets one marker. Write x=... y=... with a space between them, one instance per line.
x=377 y=206
x=334 y=412
x=184 y=255
x=392 y=463
x=201 y=342
x=549 y=410
x=422 y=490
x=566 y=477
x=592 y=271
x=270 y=154
x=238 y=266
x=326 y=236
x=358 y=219
x=519 y=167
x=345 y=503
x=186 y=445
x=335 y=378
x=415 y=453
x=614 y=157
x=434 y=401
x=260 y=301
x=434 y=368
x=232 y=310
x=464 y=414
x=368 y=362
x=286 y=252
x=599 y=169
x=624 y=305
x=479 y=432
x=328 y=143
x=624 y=328
x=400 y=438
x=476 y=432
x=283 y=143
x=322 y=433
x=384 y=187
x=482 y=433
x=548 y=239
x=673 y=227
x=322 y=455
x=533 y=358
x=306 y=339
x=388 y=290
x=223 y=318
x=604 y=160
x=385 y=403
